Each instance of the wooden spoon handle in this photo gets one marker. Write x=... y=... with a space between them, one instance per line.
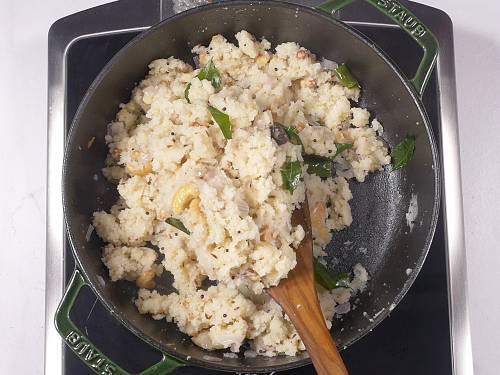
x=303 y=310
x=311 y=326
x=297 y=296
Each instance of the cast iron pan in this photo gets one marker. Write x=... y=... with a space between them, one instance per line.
x=379 y=206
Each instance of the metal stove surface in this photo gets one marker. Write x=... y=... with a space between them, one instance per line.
x=419 y=335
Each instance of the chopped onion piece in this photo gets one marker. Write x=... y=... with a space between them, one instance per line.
x=343 y=308
x=328 y=64
x=89 y=232
x=243 y=207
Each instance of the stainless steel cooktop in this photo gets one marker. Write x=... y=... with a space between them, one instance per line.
x=429 y=330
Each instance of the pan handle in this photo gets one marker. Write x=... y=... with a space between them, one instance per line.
x=85 y=350
x=409 y=23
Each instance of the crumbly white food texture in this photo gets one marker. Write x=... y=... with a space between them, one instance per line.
x=129 y=263
x=170 y=160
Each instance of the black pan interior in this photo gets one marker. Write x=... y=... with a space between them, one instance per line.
x=379 y=205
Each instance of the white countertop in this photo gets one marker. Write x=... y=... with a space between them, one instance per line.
x=23 y=61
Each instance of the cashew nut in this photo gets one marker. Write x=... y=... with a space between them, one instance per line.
x=196 y=208
x=318 y=215
x=144 y=170
x=184 y=195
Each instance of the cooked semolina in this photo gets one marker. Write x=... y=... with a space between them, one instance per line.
x=206 y=206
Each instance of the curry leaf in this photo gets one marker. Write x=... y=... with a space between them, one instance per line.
x=403 y=152
x=186 y=92
x=290 y=173
x=178 y=224
x=293 y=136
x=322 y=166
x=319 y=165
x=341 y=147
x=327 y=279
x=222 y=120
x=212 y=74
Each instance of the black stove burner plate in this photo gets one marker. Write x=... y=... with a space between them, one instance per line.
x=415 y=339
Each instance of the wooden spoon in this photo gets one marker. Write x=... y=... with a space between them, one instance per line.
x=298 y=297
